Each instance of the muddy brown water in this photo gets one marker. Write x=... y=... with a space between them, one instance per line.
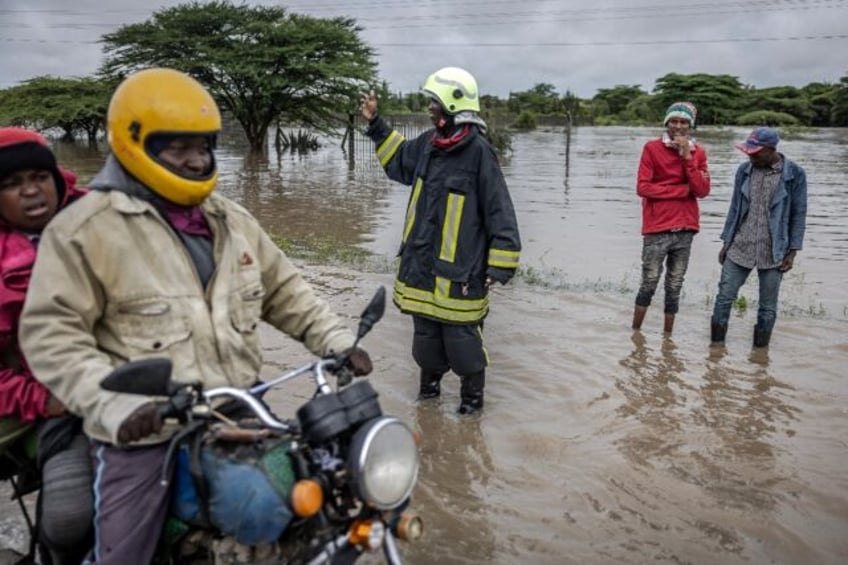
x=597 y=444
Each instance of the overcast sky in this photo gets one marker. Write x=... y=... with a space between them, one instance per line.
x=509 y=45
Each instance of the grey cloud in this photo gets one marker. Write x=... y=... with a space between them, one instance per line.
x=412 y=40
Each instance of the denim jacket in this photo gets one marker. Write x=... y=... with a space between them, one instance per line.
x=787 y=211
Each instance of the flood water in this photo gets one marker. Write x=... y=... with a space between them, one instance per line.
x=599 y=444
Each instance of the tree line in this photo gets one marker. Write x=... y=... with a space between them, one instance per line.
x=720 y=99
x=268 y=68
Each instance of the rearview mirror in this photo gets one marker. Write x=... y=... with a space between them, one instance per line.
x=149 y=377
x=372 y=313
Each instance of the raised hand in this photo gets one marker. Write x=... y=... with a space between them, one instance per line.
x=368 y=105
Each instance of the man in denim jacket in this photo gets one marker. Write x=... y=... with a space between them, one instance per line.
x=764 y=229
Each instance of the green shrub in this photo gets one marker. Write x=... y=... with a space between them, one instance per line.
x=607 y=121
x=526 y=120
x=500 y=139
x=766 y=118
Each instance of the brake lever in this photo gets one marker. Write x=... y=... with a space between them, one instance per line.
x=339 y=367
x=344 y=376
x=177 y=406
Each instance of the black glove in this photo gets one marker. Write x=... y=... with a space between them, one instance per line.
x=499 y=275
x=358 y=361
x=145 y=421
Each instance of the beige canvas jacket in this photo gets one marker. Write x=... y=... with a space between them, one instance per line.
x=113 y=282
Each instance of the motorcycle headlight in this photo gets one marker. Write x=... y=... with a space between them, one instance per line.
x=384 y=459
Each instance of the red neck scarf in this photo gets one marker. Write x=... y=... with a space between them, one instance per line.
x=186 y=219
x=446 y=143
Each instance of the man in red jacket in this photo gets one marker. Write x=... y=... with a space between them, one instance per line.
x=672 y=176
x=32 y=190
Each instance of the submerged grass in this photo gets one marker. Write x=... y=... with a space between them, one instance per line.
x=556 y=279
x=318 y=250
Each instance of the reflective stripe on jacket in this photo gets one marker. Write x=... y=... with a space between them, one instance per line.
x=460 y=224
x=113 y=282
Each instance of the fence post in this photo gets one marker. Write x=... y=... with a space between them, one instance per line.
x=567 y=147
x=351 y=126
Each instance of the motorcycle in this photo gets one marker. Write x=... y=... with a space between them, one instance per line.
x=321 y=488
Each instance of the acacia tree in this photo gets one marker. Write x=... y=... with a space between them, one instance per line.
x=262 y=64
x=717 y=97
x=613 y=101
x=821 y=96
x=541 y=99
x=74 y=105
x=784 y=99
x=619 y=104
x=840 y=104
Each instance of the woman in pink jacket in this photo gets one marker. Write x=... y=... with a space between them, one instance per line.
x=33 y=189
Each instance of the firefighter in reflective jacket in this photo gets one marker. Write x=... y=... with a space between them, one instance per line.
x=460 y=234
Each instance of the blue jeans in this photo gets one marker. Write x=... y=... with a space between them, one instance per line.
x=674 y=249
x=733 y=276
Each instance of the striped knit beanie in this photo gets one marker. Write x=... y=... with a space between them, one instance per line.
x=685 y=110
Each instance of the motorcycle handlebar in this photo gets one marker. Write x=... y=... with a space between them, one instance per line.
x=181 y=402
x=331 y=364
x=246 y=397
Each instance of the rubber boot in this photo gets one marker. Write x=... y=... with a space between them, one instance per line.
x=471 y=393
x=429 y=385
x=639 y=316
x=761 y=337
x=717 y=333
x=668 y=323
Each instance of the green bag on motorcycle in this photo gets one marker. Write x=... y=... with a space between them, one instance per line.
x=242 y=490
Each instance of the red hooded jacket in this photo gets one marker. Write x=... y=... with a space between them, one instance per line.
x=670 y=186
x=21 y=396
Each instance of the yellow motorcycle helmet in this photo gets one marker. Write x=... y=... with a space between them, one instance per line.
x=161 y=102
x=454 y=88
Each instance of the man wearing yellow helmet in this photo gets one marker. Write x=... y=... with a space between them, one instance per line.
x=153 y=263
x=460 y=234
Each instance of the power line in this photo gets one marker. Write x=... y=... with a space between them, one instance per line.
x=481 y=19
x=829 y=37
x=618 y=43
x=31 y=40
x=625 y=11
x=392 y=5
x=405 y=4
x=500 y=18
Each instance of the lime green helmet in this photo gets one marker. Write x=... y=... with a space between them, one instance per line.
x=454 y=88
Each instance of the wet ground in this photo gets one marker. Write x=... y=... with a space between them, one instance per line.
x=598 y=444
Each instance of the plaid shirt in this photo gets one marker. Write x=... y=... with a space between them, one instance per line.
x=752 y=246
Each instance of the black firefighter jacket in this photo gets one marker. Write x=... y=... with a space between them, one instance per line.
x=460 y=224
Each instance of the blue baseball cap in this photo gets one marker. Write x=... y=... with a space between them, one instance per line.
x=759 y=138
